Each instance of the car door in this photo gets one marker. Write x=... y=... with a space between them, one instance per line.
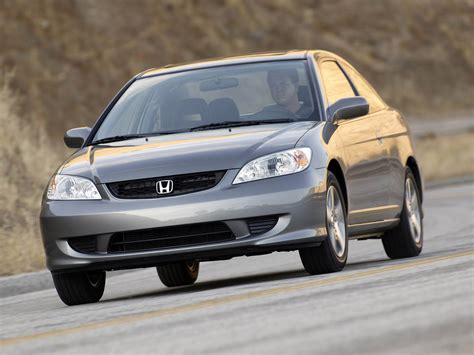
x=389 y=127
x=365 y=154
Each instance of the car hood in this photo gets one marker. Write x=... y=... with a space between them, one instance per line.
x=182 y=153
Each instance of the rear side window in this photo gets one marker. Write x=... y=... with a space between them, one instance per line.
x=364 y=89
x=335 y=82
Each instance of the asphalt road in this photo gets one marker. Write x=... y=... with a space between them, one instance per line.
x=267 y=304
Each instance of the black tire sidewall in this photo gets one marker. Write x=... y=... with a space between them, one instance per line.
x=76 y=288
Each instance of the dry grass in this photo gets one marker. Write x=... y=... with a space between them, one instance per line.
x=27 y=159
x=447 y=156
x=72 y=56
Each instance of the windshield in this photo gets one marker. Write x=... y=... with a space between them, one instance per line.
x=212 y=98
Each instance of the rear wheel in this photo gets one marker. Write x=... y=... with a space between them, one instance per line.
x=331 y=255
x=406 y=240
x=80 y=287
x=179 y=274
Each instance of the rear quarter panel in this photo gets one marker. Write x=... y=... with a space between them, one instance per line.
x=400 y=147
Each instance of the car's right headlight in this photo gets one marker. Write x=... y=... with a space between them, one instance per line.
x=67 y=187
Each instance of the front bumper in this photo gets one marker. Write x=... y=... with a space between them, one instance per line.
x=298 y=200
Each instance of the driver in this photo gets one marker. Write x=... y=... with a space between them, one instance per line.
x=283 y=85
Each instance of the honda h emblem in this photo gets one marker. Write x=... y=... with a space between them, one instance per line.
x=164 y=187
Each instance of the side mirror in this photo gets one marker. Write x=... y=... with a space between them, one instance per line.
x=75 y=138
x=350 y=107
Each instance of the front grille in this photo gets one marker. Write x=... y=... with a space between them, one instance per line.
x=169 y=237
x=182 y=184
x=260 y=225
x=84 y=244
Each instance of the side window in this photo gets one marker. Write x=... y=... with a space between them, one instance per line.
x=364 y=89
x=335 y=82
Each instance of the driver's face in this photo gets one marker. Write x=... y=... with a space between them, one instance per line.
x=283 y=90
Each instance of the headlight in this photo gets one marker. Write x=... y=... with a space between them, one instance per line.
x=65 y=187
x=276 y=164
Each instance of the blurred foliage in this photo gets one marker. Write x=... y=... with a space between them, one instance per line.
x=26 y=162
x=71 y=56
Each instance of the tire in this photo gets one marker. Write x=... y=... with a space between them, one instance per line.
x=403 y=241
x=80 y=287
x=331 y=255
x=179 y=274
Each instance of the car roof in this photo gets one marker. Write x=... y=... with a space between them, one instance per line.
x=223 y=61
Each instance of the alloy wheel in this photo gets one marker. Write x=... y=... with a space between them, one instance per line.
x=192 y=265
x=94 y=278
x=336 y=221
x=413 y=210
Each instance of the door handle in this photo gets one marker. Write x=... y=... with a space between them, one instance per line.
x=379 y=137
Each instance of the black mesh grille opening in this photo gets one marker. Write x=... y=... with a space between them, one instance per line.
x=260 y=225
x=84 y=244
x=182 y=184
x=170 y=237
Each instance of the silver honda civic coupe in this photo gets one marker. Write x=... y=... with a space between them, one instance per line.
x=228 y=157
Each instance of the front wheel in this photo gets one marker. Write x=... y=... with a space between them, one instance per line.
x=80 y=287
x=331 y=255
x=406 y=240
x=179 y=274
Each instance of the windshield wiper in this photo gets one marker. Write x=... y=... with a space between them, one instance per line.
x=226 y=124
x=217 y=125
x=118 y=138
x=133 y=136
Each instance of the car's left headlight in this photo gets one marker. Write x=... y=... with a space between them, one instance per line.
x=277 y=164
x=67 y=187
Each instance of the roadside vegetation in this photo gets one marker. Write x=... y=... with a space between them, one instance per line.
x=70 y=57
x=27 y=159
x=447 y=156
